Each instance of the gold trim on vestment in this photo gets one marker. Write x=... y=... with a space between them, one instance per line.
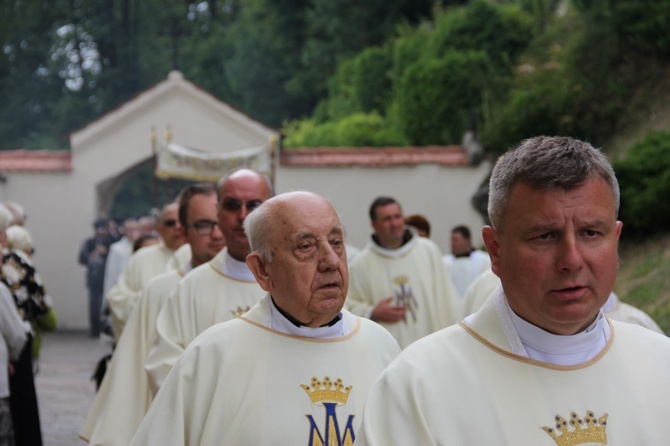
x=535 y=362
x=303 y=338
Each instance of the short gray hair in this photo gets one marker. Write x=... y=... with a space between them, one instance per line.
x=545 y=163
x=258 y=227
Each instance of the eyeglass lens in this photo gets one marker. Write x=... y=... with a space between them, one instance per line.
x=233 y=204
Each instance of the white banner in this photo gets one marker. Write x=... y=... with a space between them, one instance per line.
x=175 y=161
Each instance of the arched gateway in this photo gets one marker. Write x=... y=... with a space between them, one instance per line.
x=64 y=192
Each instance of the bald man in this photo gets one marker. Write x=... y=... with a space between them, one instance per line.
x=296 y=367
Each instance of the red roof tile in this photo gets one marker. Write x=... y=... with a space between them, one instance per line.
x=35 y=161
x=374 y=156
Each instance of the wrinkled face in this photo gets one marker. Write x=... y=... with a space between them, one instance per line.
x=459 y=244
x=201 y=218
x=557 y=258
x=238 y=196
x=169 y=228
x=308 y=276
x=389 y=225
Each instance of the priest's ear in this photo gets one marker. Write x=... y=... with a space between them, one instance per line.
x=490 y=236
x=257 y=266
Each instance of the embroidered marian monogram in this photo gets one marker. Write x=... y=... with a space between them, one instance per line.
x=404 y=296
x=329 y=395
x=577 y=431
x=239 y=311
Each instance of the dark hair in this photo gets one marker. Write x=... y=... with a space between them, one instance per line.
x=463 y=230
x=187 y=194
x=141 y=239
x=378 y=203
x=418 y=221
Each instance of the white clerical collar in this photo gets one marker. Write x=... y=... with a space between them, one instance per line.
x=396 y=252
x=564 y=350
x=280 y=323
x=236 y=269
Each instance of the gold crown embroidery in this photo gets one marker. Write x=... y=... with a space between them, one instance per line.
x=327 y=391
x=239 y=311
x=579 y=431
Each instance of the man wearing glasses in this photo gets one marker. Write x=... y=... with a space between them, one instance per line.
x=143 y=266
x=125 y=395
x=219 y=290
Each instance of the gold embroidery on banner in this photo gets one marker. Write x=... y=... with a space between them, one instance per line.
x=239 y=311
x=579 y=431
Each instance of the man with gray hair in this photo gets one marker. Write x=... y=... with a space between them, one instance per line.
x=296 y=368
x=538 y=363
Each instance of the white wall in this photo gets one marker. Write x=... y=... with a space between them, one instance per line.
x=442 y=194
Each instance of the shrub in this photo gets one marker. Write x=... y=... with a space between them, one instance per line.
x=356 y=130
x=436 y=96
x=644 y=178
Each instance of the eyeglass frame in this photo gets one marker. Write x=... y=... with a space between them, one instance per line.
x=230 y=204
x=199 y=228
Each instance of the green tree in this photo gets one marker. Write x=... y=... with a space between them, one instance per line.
x=436 y=96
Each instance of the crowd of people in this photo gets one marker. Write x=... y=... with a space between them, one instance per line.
x=25 y=312
x=249 y=322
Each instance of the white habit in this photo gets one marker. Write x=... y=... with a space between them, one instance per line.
x=143 y=265
x=472 y=384
x=124 y=395
x=415 y=275
x=464 y=270
x=246 y=383
x=214 y=292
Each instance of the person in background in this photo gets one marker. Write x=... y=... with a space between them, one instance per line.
x=124 y=396
x=144 y=265
x=465 y=262
x=399 y=279
x=218 y=290
x=92 y=255
x=13 y=335
x=119 y=253
x=18 y=274
x=538 y=363
x=420 y=223
x=20 y=240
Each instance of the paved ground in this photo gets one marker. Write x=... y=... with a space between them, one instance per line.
x=64 y=389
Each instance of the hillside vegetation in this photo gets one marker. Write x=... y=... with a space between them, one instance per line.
x=644 y=277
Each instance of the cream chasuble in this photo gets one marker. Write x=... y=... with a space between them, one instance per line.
x=465 y=386
x=415 y=275
x=214 y=292
x=464 y=270
x=124 y=395
x=142 y=266
x=244 y=383
x=620 y=311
